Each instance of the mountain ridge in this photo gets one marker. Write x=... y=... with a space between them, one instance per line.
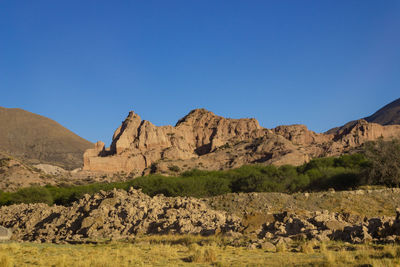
x=387 y=115
x=204 y=140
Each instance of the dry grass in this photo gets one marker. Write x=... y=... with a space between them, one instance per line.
x=360 y=255
x=371 y=203
x=307 y=247
x=281 y=247
x=202 y=254
x=194 y=251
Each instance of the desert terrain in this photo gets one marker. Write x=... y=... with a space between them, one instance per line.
x=207 y=191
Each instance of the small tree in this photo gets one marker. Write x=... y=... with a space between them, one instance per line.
x=384 y=163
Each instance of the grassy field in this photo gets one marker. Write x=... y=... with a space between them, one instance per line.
x=195 y=251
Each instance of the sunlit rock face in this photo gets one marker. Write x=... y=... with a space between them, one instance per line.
x=204 y=140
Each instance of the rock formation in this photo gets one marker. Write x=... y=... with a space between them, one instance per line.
x=207 y=141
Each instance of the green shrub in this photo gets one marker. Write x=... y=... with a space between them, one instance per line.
x=32 y=195
x=318 y=174
x=337 y=178
x=354 y=161
x=383 y=167
x=5 y=198
x=174 y=168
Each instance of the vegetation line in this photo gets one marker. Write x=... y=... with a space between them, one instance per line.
x=377 y=164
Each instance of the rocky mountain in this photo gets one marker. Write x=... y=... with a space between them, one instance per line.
x=206 y=141
x=39 y=139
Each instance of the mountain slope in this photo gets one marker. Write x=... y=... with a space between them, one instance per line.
x=40 y=139
x=388 y=115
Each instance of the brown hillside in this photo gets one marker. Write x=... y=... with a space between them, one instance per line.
x=39 y=139
x=388 y=115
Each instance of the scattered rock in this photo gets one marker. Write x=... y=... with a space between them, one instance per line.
x=5 y=234
x=268 y=246
x=50 y=169
x=119 y=214
x=325 y=226
x=335 y=225
x=116 y=214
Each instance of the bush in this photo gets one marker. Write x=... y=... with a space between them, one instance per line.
x=351 y=161
x=5 y=198
x=174 y=168
x=337 y=178
x=32 y=195
x=383 y=167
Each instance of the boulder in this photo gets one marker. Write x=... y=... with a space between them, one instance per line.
x=5 y=233
x=335 y=225
x=267 y=246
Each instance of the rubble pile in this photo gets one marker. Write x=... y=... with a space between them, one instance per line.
x=115 y=214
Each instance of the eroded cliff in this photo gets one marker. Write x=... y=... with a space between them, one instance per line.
x=204 y=140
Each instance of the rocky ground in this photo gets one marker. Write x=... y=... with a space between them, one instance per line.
x=284 y=228
x=118 y=214
x=368 y=202
x=15 y=174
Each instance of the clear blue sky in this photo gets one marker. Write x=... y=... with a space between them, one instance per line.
x=87 y=63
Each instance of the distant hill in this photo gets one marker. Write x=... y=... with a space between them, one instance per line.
x=39 y=139
x=388 y=115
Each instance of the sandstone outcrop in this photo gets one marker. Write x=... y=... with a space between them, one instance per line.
x=206 y=141
x=138 y=144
